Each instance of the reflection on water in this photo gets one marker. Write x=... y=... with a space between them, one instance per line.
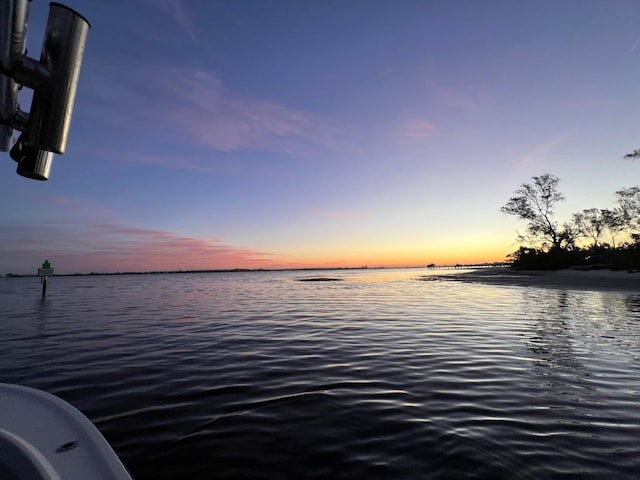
x=632 y=302
x=552 y=338
x=380 y=375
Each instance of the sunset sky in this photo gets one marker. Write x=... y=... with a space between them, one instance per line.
x=265 y=134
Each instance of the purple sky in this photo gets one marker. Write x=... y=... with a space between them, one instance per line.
x=222 y=134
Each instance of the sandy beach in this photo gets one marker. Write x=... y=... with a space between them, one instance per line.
x=574 y=279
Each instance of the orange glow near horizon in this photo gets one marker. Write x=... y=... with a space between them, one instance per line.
x=403 y=258
x=139 y=261
x=112 y=248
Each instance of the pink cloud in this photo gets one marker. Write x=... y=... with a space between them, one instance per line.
x=223 y=121
x=111 y=247
x=194 y=106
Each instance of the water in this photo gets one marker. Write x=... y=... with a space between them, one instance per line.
x=378 y=376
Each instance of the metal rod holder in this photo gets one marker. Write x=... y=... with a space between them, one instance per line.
x=54 y=80
x=62 y=53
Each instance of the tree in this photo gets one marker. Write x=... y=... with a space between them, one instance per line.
x=633 y=155
x=592 y=223
x=629 y=210
x=535 y=203
x=567 y=236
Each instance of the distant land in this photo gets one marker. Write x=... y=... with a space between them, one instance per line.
x=233 y=270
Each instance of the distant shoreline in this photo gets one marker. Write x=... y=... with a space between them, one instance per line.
x=178 y=272
x=241 y=270
x=570 y=278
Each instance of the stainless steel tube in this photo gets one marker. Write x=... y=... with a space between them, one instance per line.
x=53 y=101
x=32 y=162
x=8 y=88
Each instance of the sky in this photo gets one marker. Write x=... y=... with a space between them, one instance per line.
x=321 y=133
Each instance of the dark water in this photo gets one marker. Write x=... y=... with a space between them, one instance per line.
x=378 y=376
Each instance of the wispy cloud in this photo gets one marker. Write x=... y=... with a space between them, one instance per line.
x=222 y=121
x=176 y=10
x=194 y=107
x=417 y=130
x=337 y=214
x=540 y=153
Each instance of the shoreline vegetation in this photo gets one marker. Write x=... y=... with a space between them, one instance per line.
x=582 y=279
x=594 y=238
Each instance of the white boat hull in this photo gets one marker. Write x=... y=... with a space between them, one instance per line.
x=42 y=437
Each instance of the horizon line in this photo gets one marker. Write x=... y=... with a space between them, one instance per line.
x=260 y=269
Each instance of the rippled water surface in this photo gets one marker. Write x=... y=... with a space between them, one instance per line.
x=378 y=376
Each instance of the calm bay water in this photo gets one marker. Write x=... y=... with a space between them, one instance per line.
x=380 y=375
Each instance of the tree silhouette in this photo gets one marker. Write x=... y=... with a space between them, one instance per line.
x=550 y=245
x=535 y=202
x=633 y=155
x=629 y=211
x=592 y=223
